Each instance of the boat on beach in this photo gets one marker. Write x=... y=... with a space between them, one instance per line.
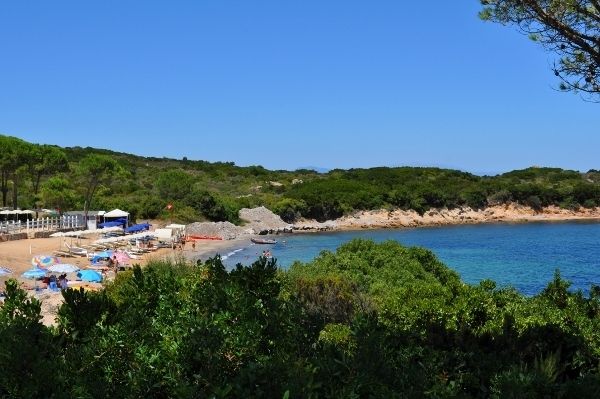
x=262 y=241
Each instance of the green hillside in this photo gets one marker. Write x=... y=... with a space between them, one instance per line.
x=45 y=176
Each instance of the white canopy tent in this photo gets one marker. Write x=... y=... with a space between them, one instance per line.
x=17 y=212
x=116 y=213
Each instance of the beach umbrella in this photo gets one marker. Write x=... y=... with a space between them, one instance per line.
x=34 y=273
x=43 y=261
x=90 y=275
x=122 y=257
x=5 y=271
x=63 y=268
x=101 y=255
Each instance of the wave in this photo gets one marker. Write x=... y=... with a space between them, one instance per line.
x=232 y=253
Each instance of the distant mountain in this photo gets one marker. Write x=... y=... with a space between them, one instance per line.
x=317 y=169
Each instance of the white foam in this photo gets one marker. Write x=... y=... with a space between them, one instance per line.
x=232 y=253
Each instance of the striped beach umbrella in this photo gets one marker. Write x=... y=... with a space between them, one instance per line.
x=4 y=271
x=44 y=261
x=122 y=257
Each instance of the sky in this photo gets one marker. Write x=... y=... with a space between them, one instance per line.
x=289 y=84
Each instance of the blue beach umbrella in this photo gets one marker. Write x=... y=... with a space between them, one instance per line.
x=90 y=275
x=101 y=255
x=34 y=273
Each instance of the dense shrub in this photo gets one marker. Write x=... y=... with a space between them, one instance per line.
x=369 y=320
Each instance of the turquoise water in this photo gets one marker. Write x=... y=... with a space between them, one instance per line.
x=520 y=255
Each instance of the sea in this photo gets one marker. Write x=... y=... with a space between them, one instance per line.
x=522 y=255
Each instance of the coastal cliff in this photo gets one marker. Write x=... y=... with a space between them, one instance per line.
x=439 y=217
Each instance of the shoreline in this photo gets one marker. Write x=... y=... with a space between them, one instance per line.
x=384 y=219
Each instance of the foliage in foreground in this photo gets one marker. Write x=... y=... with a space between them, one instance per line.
x=568 y=28
x=370 y=320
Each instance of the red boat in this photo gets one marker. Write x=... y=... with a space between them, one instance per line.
x=195 y=238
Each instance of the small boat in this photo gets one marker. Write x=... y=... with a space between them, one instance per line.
x=262 y=241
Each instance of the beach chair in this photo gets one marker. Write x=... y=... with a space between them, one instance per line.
x=77 y=251
x=62 y=253
x=52 y=286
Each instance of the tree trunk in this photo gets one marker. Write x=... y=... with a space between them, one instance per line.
x=15 y=192
x=88 y=200
x=36 y=183
x=4 y=187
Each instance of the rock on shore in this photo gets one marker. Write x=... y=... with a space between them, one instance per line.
x=256 y=221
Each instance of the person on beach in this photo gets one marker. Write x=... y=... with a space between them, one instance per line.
x=63 y=282
x=193 y=245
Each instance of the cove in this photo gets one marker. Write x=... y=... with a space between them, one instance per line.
x=523 y=256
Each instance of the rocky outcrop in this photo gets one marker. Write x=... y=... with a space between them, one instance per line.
x=262 y=221
x=225 y=230
x=259 y=221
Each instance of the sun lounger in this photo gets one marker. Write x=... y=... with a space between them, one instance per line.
x=76 y=250
x=62 y=253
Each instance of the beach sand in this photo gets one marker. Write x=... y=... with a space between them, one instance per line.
x=16 y=255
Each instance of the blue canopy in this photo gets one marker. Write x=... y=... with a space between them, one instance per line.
x=90 y=275
x=136 y=228
x=113 y=223
x=34 y=273
x=101 y=255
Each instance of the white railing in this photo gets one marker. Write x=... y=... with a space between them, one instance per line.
x=47 y=223
x=10 y=227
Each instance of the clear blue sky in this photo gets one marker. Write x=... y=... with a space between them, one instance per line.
x=288 y=84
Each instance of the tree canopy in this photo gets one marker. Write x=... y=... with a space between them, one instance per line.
x=568 y=28
x=43 y=176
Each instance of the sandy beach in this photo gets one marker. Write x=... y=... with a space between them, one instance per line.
x=16 y=255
